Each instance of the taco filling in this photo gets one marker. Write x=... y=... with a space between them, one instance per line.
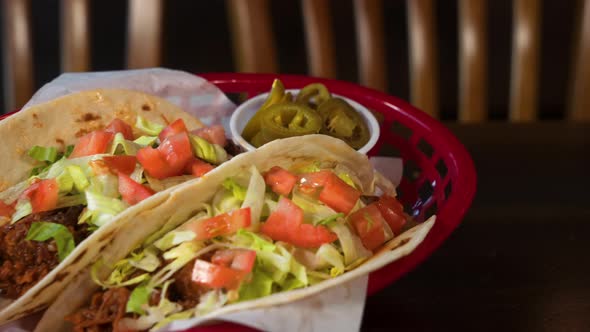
x=73 y=192
x=259 y=234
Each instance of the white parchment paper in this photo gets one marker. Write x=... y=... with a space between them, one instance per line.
x=337 y=309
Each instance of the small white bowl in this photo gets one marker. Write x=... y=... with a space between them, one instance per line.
x=246 y=110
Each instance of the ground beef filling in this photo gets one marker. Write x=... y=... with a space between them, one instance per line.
x=107 y=308
x=23 y=263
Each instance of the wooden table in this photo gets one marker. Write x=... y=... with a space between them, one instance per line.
x=520 y=261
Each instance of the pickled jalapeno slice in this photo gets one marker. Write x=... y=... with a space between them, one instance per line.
x=313 y=95
x=342 y=121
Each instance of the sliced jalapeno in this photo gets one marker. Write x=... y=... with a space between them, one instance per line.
x=276 y=95
x=313 y=95
x=342 y=121
x=286 y=120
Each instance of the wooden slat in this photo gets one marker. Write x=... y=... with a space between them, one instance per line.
x=472 y=60
x=17 y=53
x=370 y=43
x=525 y=60
x=144 y=33
x=252 y=36
x=319 y=38
x=579 y=103
x=423 y=56
x=75 y=48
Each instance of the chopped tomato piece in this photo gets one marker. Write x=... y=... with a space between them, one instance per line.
x=119 y=126
x=121 y=164
x=43 y=195
x=198 y=168
x=213 y=134
x=176 y=150
x=92 y=143
x=216 y=276
x=223 y=224
x=6 y=210
x=309 y=182
x=154 y=163
x=280 y=180
x=283 y=221
x=338 y=195
x=174 y=128
x=393 y=212
x=131 y=191
x=310 y=236
x=286 y=224
x=368 y=224
x=237 y=259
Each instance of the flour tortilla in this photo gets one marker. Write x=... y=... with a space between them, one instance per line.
x=185 y=200
x=62 y=121
x=59 y=123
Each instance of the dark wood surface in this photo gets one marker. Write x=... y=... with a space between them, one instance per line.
x=520 y=261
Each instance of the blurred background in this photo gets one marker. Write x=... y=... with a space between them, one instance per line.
x=200 y=36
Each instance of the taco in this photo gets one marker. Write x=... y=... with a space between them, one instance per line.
x=295 y=217
x=71 y=166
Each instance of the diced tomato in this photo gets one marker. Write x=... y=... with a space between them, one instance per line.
x=237 y=259
x=170 y=159
x=286 y=224
x=119 y=126
x=176 y=150
x=43 y=195
x=131 y=191
x=283 y=221
x=92 y=143
x=338 y=195
x=154 y=163
x=309 y=182
x=213 y=134
x=121 y=164
x=198 y=168
x=368 y=224
x=174 y=128
x=216 y=276
x=393 y=212
x=223 y=224
x=280 y=180
x=6 y=210
x=310 y=236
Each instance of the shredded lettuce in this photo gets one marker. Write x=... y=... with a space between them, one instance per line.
x=254 y=197
x=65 y=182
x=163 y=184
x=43 y=153
x=78 y=177
x=148 y=127
x=253 y=241
x=332 y=256
x=12 y=194
x=146 y=260
x=310 y=168
x=225 y=201
x=352 y=247
x=22 y=209
x=101 y=208
x=238 y=191
x=120 y=145
x=209 y=152
x=169 y=319
x=43 y=231
x=73 y=200
x=105 y=184
x=138 y=298
x=144 y=141
x=330 y=219
x=259 y=286
x=346 y=178
x=151 y=314
x=210 y=301
x=182 y=254
x=174 y=238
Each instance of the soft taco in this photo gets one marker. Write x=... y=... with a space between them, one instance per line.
x=71 y=166
x=293 y=218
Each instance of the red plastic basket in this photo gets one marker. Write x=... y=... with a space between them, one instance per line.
x=439 y=176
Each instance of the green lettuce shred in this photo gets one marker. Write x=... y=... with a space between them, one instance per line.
x=43 y=231
x=122 y=146
x=43 y=153
x=138 y=298
x=148 y=127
